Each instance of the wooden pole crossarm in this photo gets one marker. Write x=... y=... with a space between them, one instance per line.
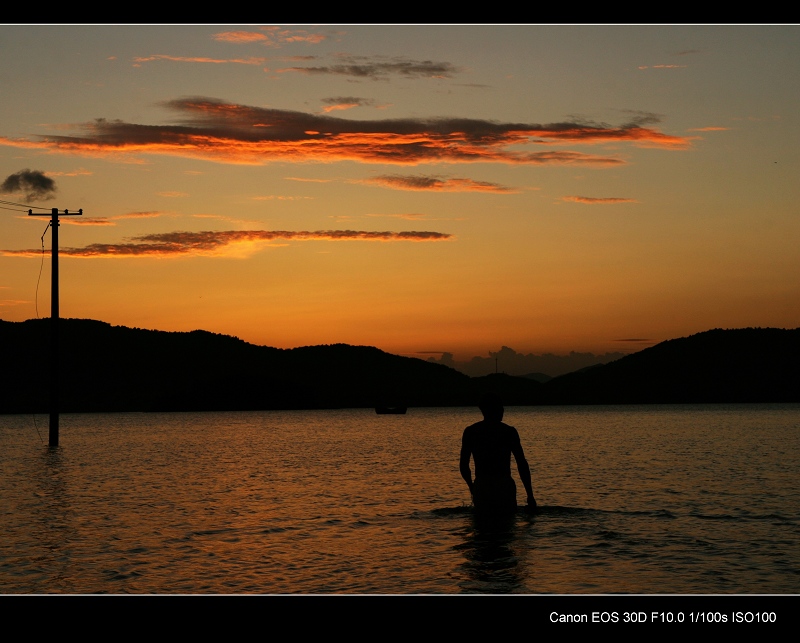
x=55 y=213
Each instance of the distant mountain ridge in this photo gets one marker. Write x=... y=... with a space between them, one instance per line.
x=108 y=368
x=735 y=365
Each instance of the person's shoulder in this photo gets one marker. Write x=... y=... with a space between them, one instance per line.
x=474 y=427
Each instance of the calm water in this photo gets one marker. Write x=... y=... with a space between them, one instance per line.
x=656 y=499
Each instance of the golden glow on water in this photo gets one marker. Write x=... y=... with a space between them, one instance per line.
x=634 y=499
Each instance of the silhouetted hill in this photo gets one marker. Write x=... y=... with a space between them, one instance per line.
x=539 y=377
x=113 y=368
x=740 y=365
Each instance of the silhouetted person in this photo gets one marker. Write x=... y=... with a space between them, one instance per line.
x=490 y=443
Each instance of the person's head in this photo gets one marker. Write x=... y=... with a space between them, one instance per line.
x=491 y=407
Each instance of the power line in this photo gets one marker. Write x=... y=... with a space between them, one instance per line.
x=24 y=205
x=40 y=272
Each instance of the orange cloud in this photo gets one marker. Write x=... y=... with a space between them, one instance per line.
x=597 y=200
x=239 y=36
x=349 y=102
x=216 y=242
x=232 y=133
x=108 y=221
x=274 y=36
x=80 y=172
x=195 y=59
x=92 y=221
x=173 y=194
x=278 y=35
x=709 y=129
x=437 y=184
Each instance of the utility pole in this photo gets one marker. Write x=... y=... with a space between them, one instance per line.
x=53 y=442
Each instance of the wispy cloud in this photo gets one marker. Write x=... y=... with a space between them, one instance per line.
x=708 y=129
x=279 y=36
x=219 y=242
x=437 y=184
x=242 y=37
x=111 y=221
x=269 y=36
x=87 y=221
x=636 y=118
x=301 y=179
x=280 y=197
x=79 y=172
x=199 y=59
x=12 y=302
x=589 y=200
x=348 y=102
x=173 y=194
x=662 y=66
x=232 y=133
x=381 y=68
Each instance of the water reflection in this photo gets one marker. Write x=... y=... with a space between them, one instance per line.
x=53 y=525
x=330 y=502
x=493 y=554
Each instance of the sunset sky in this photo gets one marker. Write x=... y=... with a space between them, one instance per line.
x=414 y=188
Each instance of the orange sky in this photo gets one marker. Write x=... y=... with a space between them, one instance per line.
x=438 y=188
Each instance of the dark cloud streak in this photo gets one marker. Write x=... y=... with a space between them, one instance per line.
x=213 y=242
x=233 y=133
x=380 y=69
x=437 y=184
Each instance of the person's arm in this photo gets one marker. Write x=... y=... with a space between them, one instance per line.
x=524 y=471
x=466 y=472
